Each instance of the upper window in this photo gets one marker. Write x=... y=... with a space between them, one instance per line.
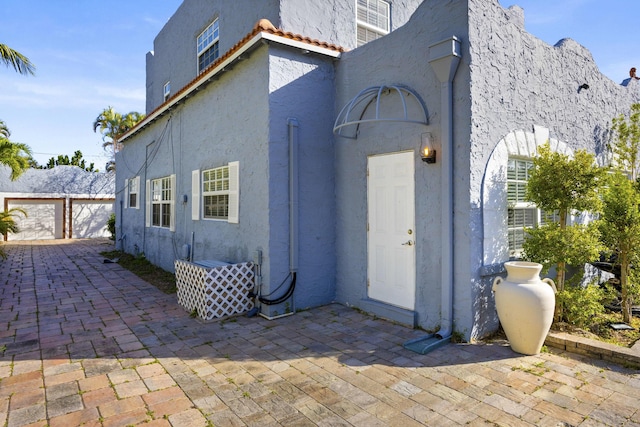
x=208 y=49
x=161 y=202
x=521 y=213
x=166 y=91
x=373 y=19
x=133 y=188
x=216 y=191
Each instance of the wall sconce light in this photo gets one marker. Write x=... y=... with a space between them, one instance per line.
x=583 y=86
x=427 y=152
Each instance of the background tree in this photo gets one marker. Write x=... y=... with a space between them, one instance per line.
x=76 y=160
x=561 y=185
x=18 y=61
x=112 y=125
x=620 y=229
x=626 y=143
x=13 y=154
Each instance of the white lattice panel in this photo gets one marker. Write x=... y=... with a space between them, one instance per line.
x=214 y=292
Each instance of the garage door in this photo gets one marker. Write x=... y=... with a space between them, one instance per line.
x=44 y=219
x=89 y=218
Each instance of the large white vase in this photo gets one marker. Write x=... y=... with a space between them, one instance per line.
x=525 y=305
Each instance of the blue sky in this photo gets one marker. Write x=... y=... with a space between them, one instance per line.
x=90 y=54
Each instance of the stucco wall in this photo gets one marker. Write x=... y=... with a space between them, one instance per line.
x=226 y=121
x=301 y=88
x=520 y=85
x=334 y=21
x=174 y=55
x=399 y=58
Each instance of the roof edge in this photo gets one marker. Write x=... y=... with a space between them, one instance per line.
x=263 y=30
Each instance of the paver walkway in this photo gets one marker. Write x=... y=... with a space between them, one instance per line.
x=88 y=343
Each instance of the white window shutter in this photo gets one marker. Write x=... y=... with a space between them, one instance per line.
x=147 y=213
x=172 y=219
x=234 y=192
x=195 y=195
x=137 y=178
x=126 y=193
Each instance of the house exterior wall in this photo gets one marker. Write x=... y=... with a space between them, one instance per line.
x=399 y=58
x=511 y=92
x=174 y=57
x=226 y=121
x=301 y=88
x=523 y=92
x=243 y=116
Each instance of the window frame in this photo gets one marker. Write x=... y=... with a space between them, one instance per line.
x=366 y=7
x=132 y=188
x=219 y=179
x=208 y=46
x=166 y=91
x=160 y=200
x=198 y=193
x=536 y=218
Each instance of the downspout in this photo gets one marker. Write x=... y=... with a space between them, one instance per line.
x=292 y=125
x=293 y=195
x=444 y=58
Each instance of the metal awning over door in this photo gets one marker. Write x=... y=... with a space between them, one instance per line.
x=395 y=103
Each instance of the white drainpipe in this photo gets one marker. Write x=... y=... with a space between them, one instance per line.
x=444 y=58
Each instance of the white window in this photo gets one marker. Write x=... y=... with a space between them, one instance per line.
x=207 y=46
x=132 y=190
x=521 y=213
x=166 y=91
x=373 y=20
x=217 y=191
x=161 y=202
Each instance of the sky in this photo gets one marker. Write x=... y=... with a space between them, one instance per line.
x=90 y=54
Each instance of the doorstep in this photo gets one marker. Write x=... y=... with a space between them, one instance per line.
x=628 y=357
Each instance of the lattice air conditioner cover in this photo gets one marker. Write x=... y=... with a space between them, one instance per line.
x=214 y=292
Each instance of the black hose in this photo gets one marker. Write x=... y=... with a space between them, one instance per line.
x=283 y=298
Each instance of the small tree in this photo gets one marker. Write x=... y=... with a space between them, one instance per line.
x=8 y=224
x=626 y=143
x=620 y=228
x=561 y=185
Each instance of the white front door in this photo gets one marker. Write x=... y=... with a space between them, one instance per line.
x=391 y=235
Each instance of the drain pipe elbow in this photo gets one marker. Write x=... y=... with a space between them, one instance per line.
x=444 y=58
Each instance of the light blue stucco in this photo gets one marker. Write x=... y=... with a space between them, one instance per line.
x=510 y=91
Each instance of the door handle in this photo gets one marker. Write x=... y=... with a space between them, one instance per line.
x=408 y=243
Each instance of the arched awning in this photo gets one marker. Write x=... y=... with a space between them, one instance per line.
x=394 y=103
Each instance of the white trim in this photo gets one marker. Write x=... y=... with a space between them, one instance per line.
x=172 y=209
x=195 y=194
x=234 y=193
x=147 y=213
x=126 y=193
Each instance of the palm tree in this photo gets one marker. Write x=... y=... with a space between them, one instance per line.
x=8 y=224
x=15 y=155
x=17 y=60
x=4 y=130
x=113 y=124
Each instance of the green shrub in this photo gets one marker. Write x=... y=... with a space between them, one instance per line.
x=582 y=304
x=111 y=226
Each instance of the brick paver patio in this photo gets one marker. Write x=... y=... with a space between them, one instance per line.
x=88 y=343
